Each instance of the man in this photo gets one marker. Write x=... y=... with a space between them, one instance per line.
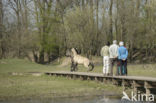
x=122 y=56
x=105 y=54
x=113 y=51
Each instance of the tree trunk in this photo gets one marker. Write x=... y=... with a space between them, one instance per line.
x=110 y=37
x=97 y=17
x=1 y=29
x=83 y=4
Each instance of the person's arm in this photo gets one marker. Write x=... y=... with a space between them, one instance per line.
x=126 y=54
x=119 y=56
x=101 y=51
x=117 y=52
x=110 y=52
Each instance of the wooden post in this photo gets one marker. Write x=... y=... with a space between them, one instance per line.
x=67 y=76
x=148 y=91
x=104 y=80
x=85 y=78
x=96 y=79
x=100 y=79
x=50 y=74
x=55 y=75
x=88 y=78
x=61 y=75
x=134 y=85
x=123 y=84
x=74 y=77
x=147 y=87
x=81 y=77
x=114 y=81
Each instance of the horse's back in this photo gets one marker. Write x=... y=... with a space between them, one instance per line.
x=81 y=60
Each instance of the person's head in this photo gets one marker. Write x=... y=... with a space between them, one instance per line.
x=114 y=41
x=108 y=43
x=121 y=43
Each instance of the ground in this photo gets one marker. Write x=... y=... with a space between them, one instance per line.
x=28 y=86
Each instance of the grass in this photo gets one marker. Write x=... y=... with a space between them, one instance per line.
x=20 y=65
x=28 y=86
x=22 y=87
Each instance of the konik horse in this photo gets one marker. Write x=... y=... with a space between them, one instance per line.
x=78 y=59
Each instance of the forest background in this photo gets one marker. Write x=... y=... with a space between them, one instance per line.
x=42 y=30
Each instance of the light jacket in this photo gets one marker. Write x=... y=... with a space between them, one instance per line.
x=105 y=51
x=122 y=53
x=113 y=51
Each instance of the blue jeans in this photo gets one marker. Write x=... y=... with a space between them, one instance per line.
x=123 y=67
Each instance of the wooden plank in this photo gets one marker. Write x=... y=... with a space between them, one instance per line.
x=151 y=79
x=116 y=78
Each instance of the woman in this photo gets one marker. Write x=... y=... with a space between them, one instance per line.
x=122 y=56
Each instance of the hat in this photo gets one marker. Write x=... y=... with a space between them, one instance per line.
x=121 y=43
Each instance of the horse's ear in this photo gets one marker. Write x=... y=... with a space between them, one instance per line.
x=78 y=50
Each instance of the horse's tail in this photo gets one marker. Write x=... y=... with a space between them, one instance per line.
x=91 y=65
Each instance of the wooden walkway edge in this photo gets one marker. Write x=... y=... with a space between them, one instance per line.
x=137 y=83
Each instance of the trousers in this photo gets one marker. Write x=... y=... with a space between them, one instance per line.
x=113 y=61
x=123 y=67
x=106 y=64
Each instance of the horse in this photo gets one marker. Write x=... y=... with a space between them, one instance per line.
x=78 y=59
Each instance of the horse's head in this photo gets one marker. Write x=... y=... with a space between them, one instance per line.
x=73 y=51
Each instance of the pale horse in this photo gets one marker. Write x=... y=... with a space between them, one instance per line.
x=78 y=59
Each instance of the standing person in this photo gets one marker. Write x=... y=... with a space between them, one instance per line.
x=105 y=54
x=113 y=51
x=122 y=56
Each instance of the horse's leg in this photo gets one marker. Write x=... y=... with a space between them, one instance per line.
x=87 y=66
x=72 y=66
x=91 y=66
x=76 y=67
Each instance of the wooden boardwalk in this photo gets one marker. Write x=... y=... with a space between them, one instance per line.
x=145 y=84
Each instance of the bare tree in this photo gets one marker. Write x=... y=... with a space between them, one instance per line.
x=1 y=28
x=110 y=37
x=56 y=25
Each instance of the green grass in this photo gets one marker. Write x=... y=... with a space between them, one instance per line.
x=20 y=65
x=22 y=87
x=28 y=86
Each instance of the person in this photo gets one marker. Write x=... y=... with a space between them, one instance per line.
x=113 y=51
x=122 y=56
x=105 y=53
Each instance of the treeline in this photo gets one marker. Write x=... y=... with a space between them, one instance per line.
x=43 y=30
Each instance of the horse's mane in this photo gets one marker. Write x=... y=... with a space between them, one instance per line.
x=74 y=51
